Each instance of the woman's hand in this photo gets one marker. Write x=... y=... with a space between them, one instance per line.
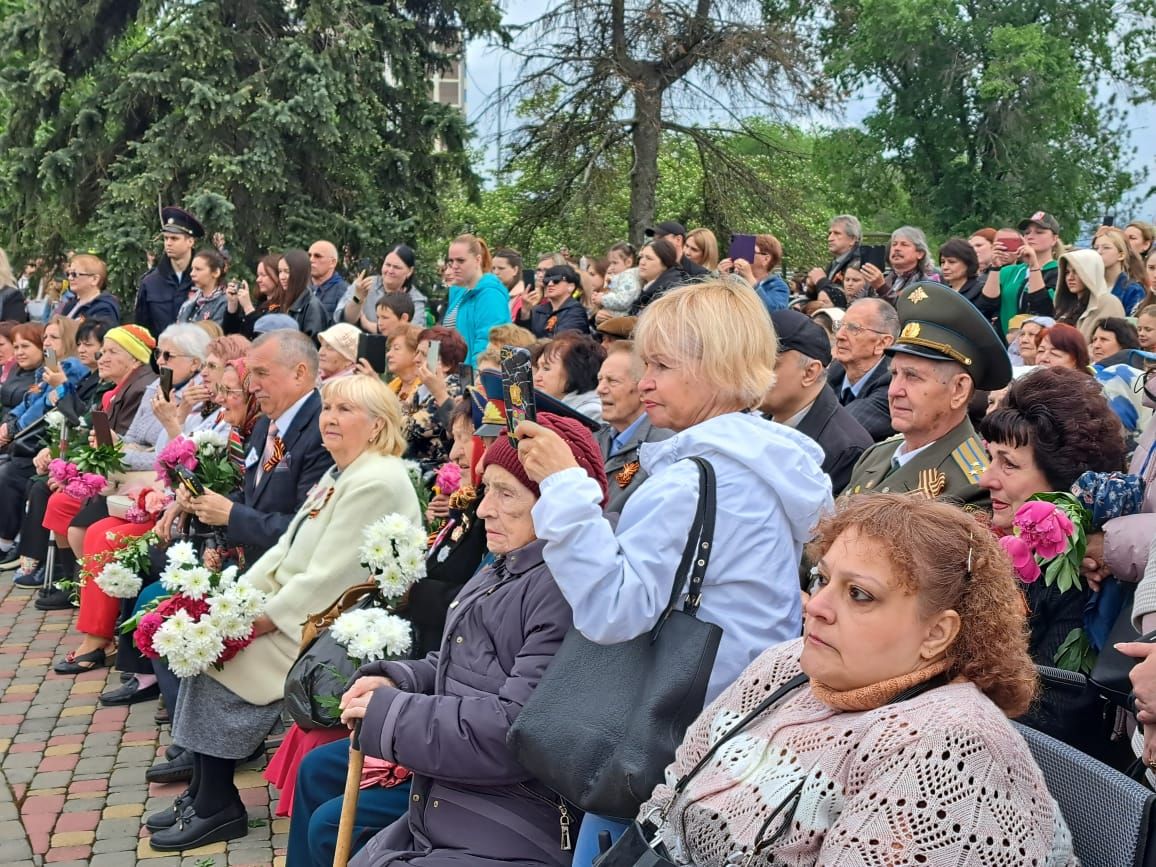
x=743 y=269
x=92 y=438
x=167 y=521
x=168 y=413
x=435 y=381
x=1028 y=256
x=364 y=367
x=1143 y=677
x=533 y=296
x=54 y=378
x=597 y=297
x=873 y=276
x=726 y=266
x=1148 y=756
x=542 y=451
x=816 y=276
x=438 y=508
x=263 y=626
x=1092 y=566
x=41 y=461
x=356 y=699
x=212 y=508
x=5 y=436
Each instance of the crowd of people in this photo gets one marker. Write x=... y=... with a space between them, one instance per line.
x=872 y=426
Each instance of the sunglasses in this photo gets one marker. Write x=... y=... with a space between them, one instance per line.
x=72 y=275
x=165 y=355
x=553 y=281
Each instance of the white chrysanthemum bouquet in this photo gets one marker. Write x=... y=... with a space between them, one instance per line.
x=206 y=621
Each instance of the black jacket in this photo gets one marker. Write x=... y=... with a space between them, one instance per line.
x=870 y=408
x=309 y=313
x=104 y=307
x=692 y=269
x=262 y=511
x=12 y=391
x=841 y=437
x=671 y=278
x=13 y=307
x=160 y=296
x=571 y=316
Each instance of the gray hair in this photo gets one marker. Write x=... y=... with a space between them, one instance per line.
x=850 y=225
x=885 y=316
x=293 y=348
x=915 y=236
x=189 y=339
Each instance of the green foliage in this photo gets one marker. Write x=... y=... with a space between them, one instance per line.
x=988 y=108
x=105 y=460
x=791 y=200
x=276 y=123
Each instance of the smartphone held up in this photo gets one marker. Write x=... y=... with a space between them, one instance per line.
x=517 y=389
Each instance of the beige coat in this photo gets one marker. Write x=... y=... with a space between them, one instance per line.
x=1102 y=303
x=312 y=564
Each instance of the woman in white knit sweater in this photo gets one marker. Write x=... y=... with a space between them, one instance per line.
x=898 y=750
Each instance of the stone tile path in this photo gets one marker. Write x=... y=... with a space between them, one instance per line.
x=72 y=786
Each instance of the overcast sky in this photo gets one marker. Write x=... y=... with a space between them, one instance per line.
x=487 y=64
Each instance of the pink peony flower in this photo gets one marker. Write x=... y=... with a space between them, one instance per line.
x=1025 y=564
x=1045 y=527
x=62 y=472
x=179 y=452
x=449 y=479
x=146 y=628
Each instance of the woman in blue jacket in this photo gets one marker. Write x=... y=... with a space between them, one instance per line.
x=478 y=300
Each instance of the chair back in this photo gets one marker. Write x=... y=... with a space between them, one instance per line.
x=1111 y=816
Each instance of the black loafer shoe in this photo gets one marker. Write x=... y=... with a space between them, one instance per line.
x=179 y=770
x=54 y=600
x=172 y=751
x=168 y=817
x=192 y=832
x=129 y=692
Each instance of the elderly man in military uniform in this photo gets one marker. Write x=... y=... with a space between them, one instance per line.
x=944 y=352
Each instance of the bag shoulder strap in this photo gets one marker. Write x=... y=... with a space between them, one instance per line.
x=791 y=685
x=696 y=554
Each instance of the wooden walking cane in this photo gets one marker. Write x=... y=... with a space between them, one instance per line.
x=349 y=799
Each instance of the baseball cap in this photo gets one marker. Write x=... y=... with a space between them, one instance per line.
x=1044 y=221
x=797 y=331
x=667 y=227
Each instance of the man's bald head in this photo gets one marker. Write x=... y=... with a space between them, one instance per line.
x=322 y=261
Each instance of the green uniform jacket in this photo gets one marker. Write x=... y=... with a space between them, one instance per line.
x=949 y=469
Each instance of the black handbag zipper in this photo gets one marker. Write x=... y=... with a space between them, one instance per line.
x=564 y=820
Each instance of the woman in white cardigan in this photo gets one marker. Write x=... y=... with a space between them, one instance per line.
x=222 y=716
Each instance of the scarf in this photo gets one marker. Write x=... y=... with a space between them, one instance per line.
x=876 y=695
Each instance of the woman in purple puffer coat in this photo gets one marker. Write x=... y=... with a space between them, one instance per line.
x=445 y=717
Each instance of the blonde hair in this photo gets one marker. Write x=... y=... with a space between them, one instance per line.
x=379 y=402
x=67 y=328
x=94 y=264
x=510 y=335
x=7 y=278
x=706 y=242
x=721 y=331
x=1131 y=263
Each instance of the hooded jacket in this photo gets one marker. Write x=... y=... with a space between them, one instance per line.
x=478 y=310
x=771 y=492
x=1089 y=267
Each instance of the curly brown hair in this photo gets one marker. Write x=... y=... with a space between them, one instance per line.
x=952 y=562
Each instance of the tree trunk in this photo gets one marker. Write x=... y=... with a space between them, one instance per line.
x=644 y=140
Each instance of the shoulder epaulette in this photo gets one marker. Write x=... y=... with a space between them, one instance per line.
x=970 y=456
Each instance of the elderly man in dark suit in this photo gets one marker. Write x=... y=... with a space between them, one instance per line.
x=800 y=397
x=626 y=426
x=860 y=375
x=284 y=459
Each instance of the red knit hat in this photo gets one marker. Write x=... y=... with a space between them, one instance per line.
x=576 y=435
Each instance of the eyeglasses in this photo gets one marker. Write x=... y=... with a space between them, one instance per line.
x=72 y=275
x=229 y=392
x=165 y=355
x=854 y=328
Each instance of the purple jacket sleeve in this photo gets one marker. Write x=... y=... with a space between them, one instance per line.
x=1126 y=541
x=414 y=675
x=462 y=739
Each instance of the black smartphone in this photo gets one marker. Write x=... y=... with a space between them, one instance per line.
x=364 y=264
x=101 y=429
x=517 y=388
x=166 y=384
x=466 y=375
x=1109 y=220
x=188 y=481
x=874 y=254
x=742 y=247
x=372 y=347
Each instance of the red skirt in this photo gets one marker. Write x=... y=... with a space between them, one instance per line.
x=60 y=512
x=282 y=769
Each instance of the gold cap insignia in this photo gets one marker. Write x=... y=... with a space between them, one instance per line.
x=911 y=329
x=917 y=296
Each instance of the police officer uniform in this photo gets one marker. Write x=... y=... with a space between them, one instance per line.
x=939 y=324
x=162 y=292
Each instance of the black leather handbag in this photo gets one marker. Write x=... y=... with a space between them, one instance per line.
x=1110 y=674
x=605 y=720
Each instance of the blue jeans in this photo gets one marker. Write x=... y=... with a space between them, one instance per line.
x=317 y=807
x=586 y=849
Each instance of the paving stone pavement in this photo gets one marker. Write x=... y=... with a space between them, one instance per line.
x=72 y=786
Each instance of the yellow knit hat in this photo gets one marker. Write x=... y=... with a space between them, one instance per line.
x=134 y=340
